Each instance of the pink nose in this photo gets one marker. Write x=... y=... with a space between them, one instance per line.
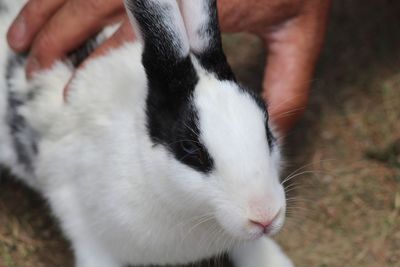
x=263 y=224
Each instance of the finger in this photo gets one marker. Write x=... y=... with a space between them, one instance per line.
x=29 y=21
x=74 y=23
x=293 y=51
x=286 y=84
x=124 y=34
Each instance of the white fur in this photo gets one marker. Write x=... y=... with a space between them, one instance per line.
x=120 y=199
x=261 y=253
x=195 y=15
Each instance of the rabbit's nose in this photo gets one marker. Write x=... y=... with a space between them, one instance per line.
x=264 y=223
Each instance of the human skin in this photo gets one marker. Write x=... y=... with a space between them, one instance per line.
x=292 y=32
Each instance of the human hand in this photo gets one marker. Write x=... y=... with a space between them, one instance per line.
x=292 y=31
x=50 y=29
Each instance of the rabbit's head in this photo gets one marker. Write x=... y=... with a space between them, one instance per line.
x=219 y=152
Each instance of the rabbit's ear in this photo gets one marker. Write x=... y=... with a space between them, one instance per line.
x=201 y=21
x=160 y=27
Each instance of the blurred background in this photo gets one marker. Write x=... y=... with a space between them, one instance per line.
x=344 y=154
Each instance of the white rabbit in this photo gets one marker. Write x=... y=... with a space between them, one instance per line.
x=156 y=156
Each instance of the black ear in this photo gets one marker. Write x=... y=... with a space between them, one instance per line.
x=201 y=21
x=160 y=26
x=166 y=58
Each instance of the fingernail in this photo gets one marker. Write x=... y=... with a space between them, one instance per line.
x=17 y=33
x=32 y=67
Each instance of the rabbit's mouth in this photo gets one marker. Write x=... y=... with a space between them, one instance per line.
x=251 y=228
x=257 y=229
x=268 y=227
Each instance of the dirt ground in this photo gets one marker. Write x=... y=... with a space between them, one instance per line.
x=345 y=154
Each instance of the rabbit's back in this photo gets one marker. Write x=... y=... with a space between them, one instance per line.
x=34 y=112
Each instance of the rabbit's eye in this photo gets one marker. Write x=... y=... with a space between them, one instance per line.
x=193 y=149
x=190 y=147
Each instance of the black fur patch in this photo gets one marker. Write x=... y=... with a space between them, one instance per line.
x=172 y=119
x=24 y=138
x=271 y=138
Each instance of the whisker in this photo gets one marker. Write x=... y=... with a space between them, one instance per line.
x=183 y=140
x=287 y=179
x=309 y=164
x=191 y=129
x=289 y=112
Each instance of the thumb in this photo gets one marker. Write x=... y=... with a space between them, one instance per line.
x=293 y=51
x=287 y=79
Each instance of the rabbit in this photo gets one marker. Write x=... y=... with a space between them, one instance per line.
x=156 y=155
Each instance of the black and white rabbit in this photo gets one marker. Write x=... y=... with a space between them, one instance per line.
x=157 y=156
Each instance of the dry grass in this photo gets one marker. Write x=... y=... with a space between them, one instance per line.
x=351 y=134
x=346 y=211
x=352 y=216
